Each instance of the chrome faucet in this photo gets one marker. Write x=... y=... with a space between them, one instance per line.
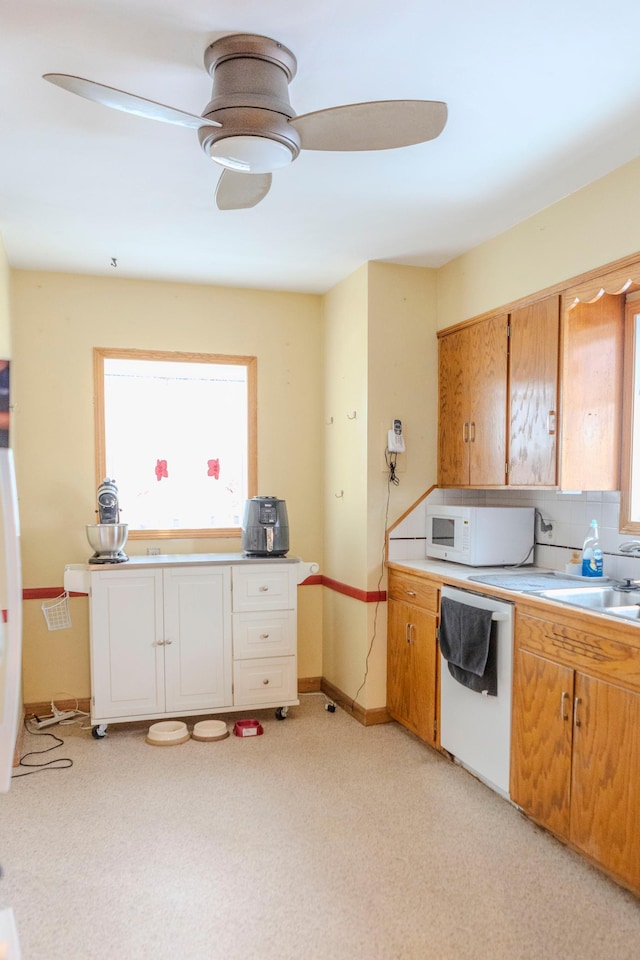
x=630 y=546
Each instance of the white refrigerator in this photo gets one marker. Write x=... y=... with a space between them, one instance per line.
x=10 y=634
x=10 y=617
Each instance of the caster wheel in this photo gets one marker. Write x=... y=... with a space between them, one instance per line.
x=99 y=732
x=281 y=713
x=331 y=707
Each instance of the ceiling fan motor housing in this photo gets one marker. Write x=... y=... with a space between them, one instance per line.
x=250 y=96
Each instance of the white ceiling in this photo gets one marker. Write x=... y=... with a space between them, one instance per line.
x=543 y=96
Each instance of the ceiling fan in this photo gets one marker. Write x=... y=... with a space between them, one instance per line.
x=249 y=126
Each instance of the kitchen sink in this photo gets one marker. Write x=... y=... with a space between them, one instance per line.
x=605 y=599
x=628 y=612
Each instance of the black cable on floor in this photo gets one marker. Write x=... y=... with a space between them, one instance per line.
x=65 y=762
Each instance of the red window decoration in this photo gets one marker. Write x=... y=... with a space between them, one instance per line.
x=161 y=469
x=213 y=469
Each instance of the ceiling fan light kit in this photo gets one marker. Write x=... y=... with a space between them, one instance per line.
x=249 y=126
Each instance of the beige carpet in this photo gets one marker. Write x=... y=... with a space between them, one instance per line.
x=320 y=839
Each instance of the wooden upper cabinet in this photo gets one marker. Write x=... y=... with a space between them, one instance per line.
x=533 y=398
x=591 y=378
x=533 y=393
x=472 y=406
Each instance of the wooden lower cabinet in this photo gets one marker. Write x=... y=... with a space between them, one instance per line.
x=541 y=740
x=412 y=654
x=575 y=763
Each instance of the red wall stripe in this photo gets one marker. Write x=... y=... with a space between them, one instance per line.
x=365 y=596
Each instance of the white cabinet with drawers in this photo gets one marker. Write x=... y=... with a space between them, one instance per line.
x=203 y=634
x=264 y=637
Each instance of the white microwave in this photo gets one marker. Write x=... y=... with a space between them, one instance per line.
x=481 y=536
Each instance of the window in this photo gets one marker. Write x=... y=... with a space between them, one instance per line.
x=630 y=490
x=177 y=433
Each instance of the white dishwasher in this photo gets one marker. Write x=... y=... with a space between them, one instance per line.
x=475 y=728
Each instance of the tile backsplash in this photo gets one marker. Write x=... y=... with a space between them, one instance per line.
x=569 y=513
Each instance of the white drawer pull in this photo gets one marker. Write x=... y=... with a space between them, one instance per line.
x=265 y=683
x=264 y=589
x=264 y=636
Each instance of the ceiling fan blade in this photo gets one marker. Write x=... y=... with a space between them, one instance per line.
x=238 y=191
x=127 y=102
x=377 y=125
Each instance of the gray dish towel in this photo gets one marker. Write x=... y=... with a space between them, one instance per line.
x=468 y=644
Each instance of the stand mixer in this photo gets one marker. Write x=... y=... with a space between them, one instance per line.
x=108 y=537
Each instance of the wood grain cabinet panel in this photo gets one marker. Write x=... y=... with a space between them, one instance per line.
x=472 y=406
x=605 y=783
x=541 y=740
x=533 y=397
x=592 y=360
x=533 y=393
x=575 y=759
x=412 y=655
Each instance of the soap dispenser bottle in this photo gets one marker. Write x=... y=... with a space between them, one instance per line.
x=592 y=553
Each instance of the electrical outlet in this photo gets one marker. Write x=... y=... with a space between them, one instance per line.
x=153 y=551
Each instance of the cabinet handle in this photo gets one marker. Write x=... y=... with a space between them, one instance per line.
x=265 y=683
x=264 y=589
x=410 y=633
x=410 y=593
x=551 y=423
x=168 y=643
x=465 y=433
x=473 y=431
x=576 y=720
x=264 y=636
x=563 y=714
x=160 y=643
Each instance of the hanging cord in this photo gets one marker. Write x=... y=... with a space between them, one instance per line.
x=392 y=460
x=380 y=579
x=63 y=762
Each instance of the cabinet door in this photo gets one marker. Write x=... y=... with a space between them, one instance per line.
x=127 y=665
x=533 y=377
x=488 y=361
x=197 y=638
x=411 y=669
x=541 y=740
x=453 y=410
x=605 y=791
x=473 y=405
x=592 y=344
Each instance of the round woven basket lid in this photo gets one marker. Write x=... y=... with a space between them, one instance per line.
x=168 y=733
x=210 y=730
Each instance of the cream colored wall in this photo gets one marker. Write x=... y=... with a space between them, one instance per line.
x=380 y=351
x=403 y=382
x=345 y=435
x=58 y=319
x=592 y=227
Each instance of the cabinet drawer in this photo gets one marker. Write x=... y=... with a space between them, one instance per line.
x=579 y=650
x=268 y=681
x=412 y=588
x=264 y=634
x=261 y=587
